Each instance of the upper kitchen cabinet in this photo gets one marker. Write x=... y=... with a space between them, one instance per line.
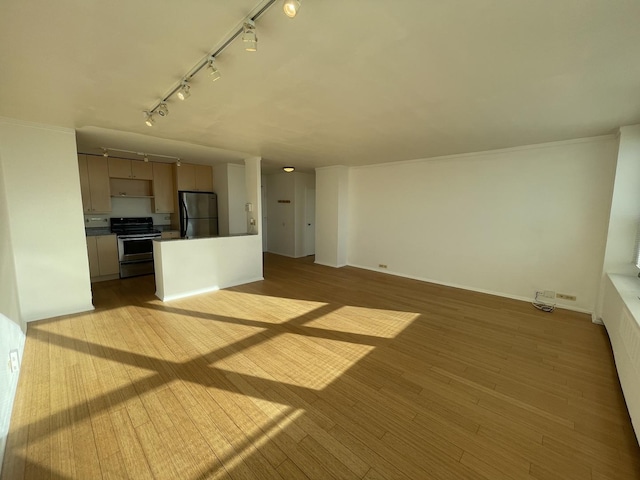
x=163 y=191
x=204 y=178
x=94 y=184
x=197 y=178
x=123 y=168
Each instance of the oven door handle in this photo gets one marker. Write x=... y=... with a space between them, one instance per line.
x=185 y=216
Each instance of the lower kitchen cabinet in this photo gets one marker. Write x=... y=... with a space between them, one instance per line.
x=103 y=257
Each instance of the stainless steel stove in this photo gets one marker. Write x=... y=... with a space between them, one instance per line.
x=135 y=244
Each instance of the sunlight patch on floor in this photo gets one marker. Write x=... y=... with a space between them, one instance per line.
x=271 y=309
x=365 y=321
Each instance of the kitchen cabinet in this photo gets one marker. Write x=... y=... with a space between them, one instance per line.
x=94 y=184
x=204 y=178
x=123 y=168
x=163 y=193
x=197 y=178
x=103 y=257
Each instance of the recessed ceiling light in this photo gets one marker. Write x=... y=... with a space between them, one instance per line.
x=288 y=169
x=291 y=7
x=162 y=110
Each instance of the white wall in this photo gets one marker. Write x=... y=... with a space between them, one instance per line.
x=230 y=187
x=8 y=281
x=332 y=208
x=281 y=216
x=302 y=182
x=11 y=338
x=625 y=205
x=252 y=173
x=237 y=199
x=190 y=267
x=221 y=187
x=624 y=216
x=12 y=327
x=44 y=270
x=42 y=192
x=506 y=222
x=287 y=220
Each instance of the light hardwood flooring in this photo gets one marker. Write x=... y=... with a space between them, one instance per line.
x=318 y=373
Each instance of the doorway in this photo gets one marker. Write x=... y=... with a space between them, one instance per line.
x=310 y=222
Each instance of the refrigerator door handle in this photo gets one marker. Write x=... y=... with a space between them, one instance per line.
x=185 y=216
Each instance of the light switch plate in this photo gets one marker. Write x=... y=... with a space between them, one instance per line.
x=14 y=361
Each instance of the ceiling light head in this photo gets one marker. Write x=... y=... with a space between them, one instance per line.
x=214 y=74
x=288 y=169
x=162 y=110
x=105 y=153
x=148 y=119
x=146 y=158
x=249 y=36
x=185 y=90
x=291 y=7
x=178 y=163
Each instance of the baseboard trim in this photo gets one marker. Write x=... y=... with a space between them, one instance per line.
x=61 y=313
x=243 y=282
x=191 y=293
x=466 y=287
x=340 y=265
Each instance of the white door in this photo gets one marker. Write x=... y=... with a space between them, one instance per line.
x=264 y=214
x=310 y=222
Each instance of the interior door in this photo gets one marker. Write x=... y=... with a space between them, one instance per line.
x=264 y=216
x=310 y=222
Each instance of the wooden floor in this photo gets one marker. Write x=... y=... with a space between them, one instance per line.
x=318 y=373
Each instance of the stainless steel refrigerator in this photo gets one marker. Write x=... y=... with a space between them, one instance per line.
x=198 y=214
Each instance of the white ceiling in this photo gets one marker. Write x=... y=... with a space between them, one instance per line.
x=347 y=82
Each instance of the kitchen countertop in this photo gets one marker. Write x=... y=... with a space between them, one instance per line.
x=202 y=238
x=94 y=232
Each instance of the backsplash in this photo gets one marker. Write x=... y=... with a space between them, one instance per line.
x=127 y=207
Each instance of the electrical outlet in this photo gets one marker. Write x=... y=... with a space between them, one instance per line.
x=14 y=362
x=564 y=296
x=382 y=265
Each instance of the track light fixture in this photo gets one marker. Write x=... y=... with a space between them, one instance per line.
x=162 y=110
x=178 y=163
x=145 y=155
x=291 y=7
x=105 y=153
x=214 y=74
x=148 y=119
x=250 y=43
x=249 y=36
x=185 y=90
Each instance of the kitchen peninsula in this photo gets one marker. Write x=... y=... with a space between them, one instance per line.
x=190 y=266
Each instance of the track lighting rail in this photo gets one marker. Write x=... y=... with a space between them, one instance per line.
x=200 y=65
x=145 y=155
